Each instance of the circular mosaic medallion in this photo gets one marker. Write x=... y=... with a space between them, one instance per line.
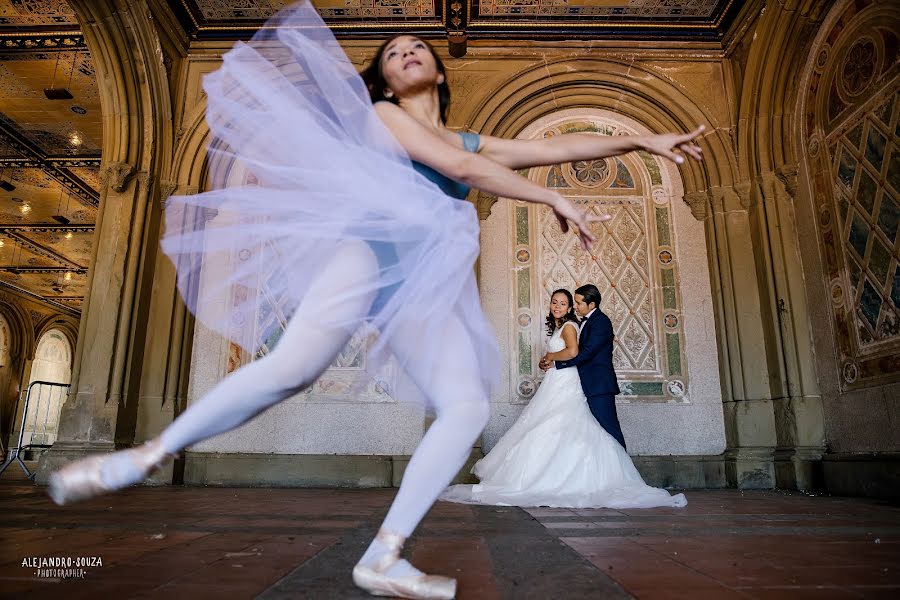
x=858 y=69
x=676 y=388
x=591 y=173
x=665 y=257
x=814 y=146
x=671 y=321
x=526 y=388
x=659 y=196
x=523 y=255
x=244 y=254
x=850 y=372
x=837 y=293
x=822 y=57
x=825 y=217
x=524 y=320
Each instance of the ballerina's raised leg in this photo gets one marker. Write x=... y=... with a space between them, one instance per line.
x=308 y=346
x=305 y=350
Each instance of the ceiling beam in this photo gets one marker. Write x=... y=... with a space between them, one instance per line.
x=78 y=189
x=32 y=296
x=43 y=251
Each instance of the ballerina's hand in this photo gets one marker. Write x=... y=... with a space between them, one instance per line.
x=665 y=144
x=566 y=211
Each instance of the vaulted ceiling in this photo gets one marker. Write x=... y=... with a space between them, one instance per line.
x=49 y=152
x=50 y=118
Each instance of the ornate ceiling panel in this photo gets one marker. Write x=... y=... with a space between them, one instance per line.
x=239 y=18
x=38 y=14
x=684 y=19
x=530 y=18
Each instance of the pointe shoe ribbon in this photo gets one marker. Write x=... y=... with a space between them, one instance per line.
x=82 y=479
x=421 y=587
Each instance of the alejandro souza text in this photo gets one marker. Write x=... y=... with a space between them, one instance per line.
x=61 y=567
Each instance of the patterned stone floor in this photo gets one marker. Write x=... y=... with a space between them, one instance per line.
x=226 y=543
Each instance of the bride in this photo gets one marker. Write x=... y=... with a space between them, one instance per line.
x=556 y=454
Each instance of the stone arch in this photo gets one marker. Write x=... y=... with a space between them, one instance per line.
x=51 y=364
x=648 y=99
x=850 y=192
x=524 y=252
x=20 y=347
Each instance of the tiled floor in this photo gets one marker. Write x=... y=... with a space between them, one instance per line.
x=224 y=543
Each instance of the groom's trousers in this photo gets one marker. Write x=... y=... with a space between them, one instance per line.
x=603 y=407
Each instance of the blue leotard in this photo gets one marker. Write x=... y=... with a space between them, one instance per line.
x=384 y=251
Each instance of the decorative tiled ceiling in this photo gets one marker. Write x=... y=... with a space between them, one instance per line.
x=604 y=18
x=687 y=19
x=49 y=153
x=230 y=18
x=39 y=14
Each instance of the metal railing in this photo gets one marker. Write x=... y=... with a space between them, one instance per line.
x=37 y=403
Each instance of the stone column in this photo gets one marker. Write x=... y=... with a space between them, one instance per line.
x=799 y=415
x=101 y=410
x=749 y=415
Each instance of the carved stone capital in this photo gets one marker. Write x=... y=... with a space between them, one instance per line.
x=484 y=202
x=117 y=175
x=698 y=202
x=744 y=190
x=166 y=189
x=787 y=174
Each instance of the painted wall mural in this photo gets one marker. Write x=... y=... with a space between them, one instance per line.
x=852 y=135
x=633 y=263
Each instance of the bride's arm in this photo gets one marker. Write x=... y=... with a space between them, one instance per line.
x=570 y=337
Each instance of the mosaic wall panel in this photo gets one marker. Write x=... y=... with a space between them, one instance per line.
x=633 y=263
x=853 y=144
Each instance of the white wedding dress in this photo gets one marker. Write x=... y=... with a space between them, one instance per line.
x=556 y=454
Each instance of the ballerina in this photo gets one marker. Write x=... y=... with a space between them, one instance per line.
x=359 y=208
x=556 y=454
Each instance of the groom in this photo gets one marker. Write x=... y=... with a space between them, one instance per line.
x=594 y=360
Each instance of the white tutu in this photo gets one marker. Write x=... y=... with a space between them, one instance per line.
x=290 y=107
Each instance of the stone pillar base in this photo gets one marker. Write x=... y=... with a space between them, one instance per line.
x=799 y=469
x=750 y=468
x=62 y=453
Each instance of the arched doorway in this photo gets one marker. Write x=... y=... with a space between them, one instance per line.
x=51 y=371
x=651 y=267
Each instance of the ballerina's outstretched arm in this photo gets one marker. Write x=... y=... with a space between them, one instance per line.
x=521 y=154
x=425 y=146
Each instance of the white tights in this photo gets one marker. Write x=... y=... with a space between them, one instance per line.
x=306 y=349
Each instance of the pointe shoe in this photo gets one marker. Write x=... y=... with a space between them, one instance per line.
x=421 y=587
x=82 y=479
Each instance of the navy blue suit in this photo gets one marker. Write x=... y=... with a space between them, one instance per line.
x=595 y=367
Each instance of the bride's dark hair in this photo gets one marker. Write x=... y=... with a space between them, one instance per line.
x=569 y=316
x=374 y=77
